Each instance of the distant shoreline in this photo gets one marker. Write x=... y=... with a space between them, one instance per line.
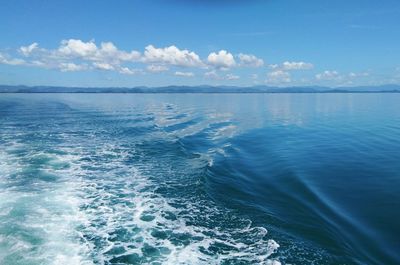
x=200 y=90
x=318 y=92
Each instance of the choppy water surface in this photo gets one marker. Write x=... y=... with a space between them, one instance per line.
x=200 y=179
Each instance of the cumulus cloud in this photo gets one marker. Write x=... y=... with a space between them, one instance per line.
x=221 y=60
x=172 y=56
x=27 y=50
x=157 y=68
x=107 y=52
x=250 y=60
x=278 y=76
x=87 y=55
x=73 y=53
x=103 y=66
x=184 y=74
x=77 y=48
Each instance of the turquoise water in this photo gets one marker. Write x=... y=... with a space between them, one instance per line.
x=199 y=179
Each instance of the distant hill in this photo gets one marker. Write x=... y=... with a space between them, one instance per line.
x=200 y=89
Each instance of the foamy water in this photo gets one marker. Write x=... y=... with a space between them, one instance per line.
x=192 y=179
x=85 y=197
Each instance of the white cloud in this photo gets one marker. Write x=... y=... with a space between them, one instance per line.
x=157 y=68
x=221 y=60
x=278 y=76
x=231 y=77
x=296 y=66
x=334 y=77
x=11 y=61
x=80 y=55
x=78 y=48
x=214 y=75
x=130 y=71
x=290 y=66
x=72 y=54
x=27 y=50
x=250 y=60
x=103 y=66
x=107 y=52
x=273 y=66
x=71 y=67
x=171 y=55
x=327 y=75
x=184 y=74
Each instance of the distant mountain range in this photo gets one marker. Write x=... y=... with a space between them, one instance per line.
x=200 y=89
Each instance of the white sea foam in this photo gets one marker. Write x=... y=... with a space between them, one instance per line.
x=151 y=222
x=39 y=226
x=99 y=208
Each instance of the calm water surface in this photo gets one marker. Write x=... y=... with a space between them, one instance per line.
x=199 y=179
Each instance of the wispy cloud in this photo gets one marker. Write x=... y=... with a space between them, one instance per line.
x=290 y=66
x=278 y=77
x=5 y=59
x=334 y=77
x=217 y=76
x=184 y=74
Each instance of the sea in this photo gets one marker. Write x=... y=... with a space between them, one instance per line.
x=199 y=179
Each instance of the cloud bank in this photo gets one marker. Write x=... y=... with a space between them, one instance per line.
x=75 y=55
x=78 y=55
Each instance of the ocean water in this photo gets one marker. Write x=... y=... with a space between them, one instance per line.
x=199 y=179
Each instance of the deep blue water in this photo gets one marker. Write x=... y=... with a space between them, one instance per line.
x=199 y=179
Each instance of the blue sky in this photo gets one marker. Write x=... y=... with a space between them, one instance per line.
x=195 y=42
